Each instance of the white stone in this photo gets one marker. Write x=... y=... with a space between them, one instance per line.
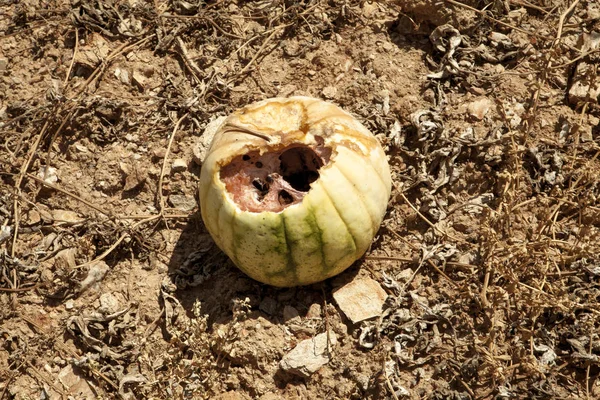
x=309 y=355
x=329 y=92
x=108 y=304
x=183 y=202
x=479 y=108
x=96 y=273
x=179 y=165
x=74 y=381
x=48 y=175
x=206 y=139
x=360 y=299
x=66 y=258
x=123 y=75
x=66 y=216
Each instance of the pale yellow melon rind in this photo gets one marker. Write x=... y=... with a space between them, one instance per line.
x=336 y=221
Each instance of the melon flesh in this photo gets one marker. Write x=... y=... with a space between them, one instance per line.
x=273 y=180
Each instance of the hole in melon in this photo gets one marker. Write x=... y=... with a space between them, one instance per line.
x=300 y=167
x=284 y=197
x=276 y=179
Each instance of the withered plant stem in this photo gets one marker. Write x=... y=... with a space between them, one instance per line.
x=249 y=131
x=161 y=198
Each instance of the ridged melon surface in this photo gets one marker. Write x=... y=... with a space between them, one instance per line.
x=322 y=230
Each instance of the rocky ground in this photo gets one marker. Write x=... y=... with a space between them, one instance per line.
x=484 y=277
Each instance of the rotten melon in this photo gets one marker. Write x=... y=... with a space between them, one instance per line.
x=293 y=190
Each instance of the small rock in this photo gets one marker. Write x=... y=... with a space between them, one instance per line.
x=140 y=80
x=179 y=165
x=46 y=275
x=48 y=175
x=65 y=258
x=132 y=138
x=65 y=216
x=585 y=86
x=363 y=381
x=81 y=148
x=500 y=38
x=479 y=108
x=405 y=274
x=96 y=273
x=369 y=9
x=232 y=395
x=587 y=134
x=270 y=396
x=3 y=64
x=148 y=70
x=159 y=152
x=47 y=241
x=5 y=233
x=69 y=304
x=314 y=311
x=73 y=379
x=290 y=314
x=183 y=202
x=360 y=299
x=268 y=305
x=309 y=355
x=329 y=92
x=123 y=75
x=198 y=155
x=135 y=176
x=206 y=139
x=33 y=217
x=108 y=304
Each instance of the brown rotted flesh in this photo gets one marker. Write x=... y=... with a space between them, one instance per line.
x=273 y=180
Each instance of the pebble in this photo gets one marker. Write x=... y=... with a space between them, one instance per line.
x=48 y=174
x=179 y=165
x=314 y=311
x=108 y=304
x=360 y=299
x=183 y=202
x=5 y=233
x=231 y=395
x=479 y=108
x=69 y=217
x=198 y=155
x=587 y=134
x=123 y=75
x=159 y=152
x=95 y=274
x=309 y=355
x=66 y=258
x=76 y=385
x=206 y=139
x=290 y=314
x=139 y=79
x=134 y=176
x=268 y=305
x=329 y=92
x=33 y=217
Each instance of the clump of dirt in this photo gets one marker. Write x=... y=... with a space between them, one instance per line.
x=111 y=287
